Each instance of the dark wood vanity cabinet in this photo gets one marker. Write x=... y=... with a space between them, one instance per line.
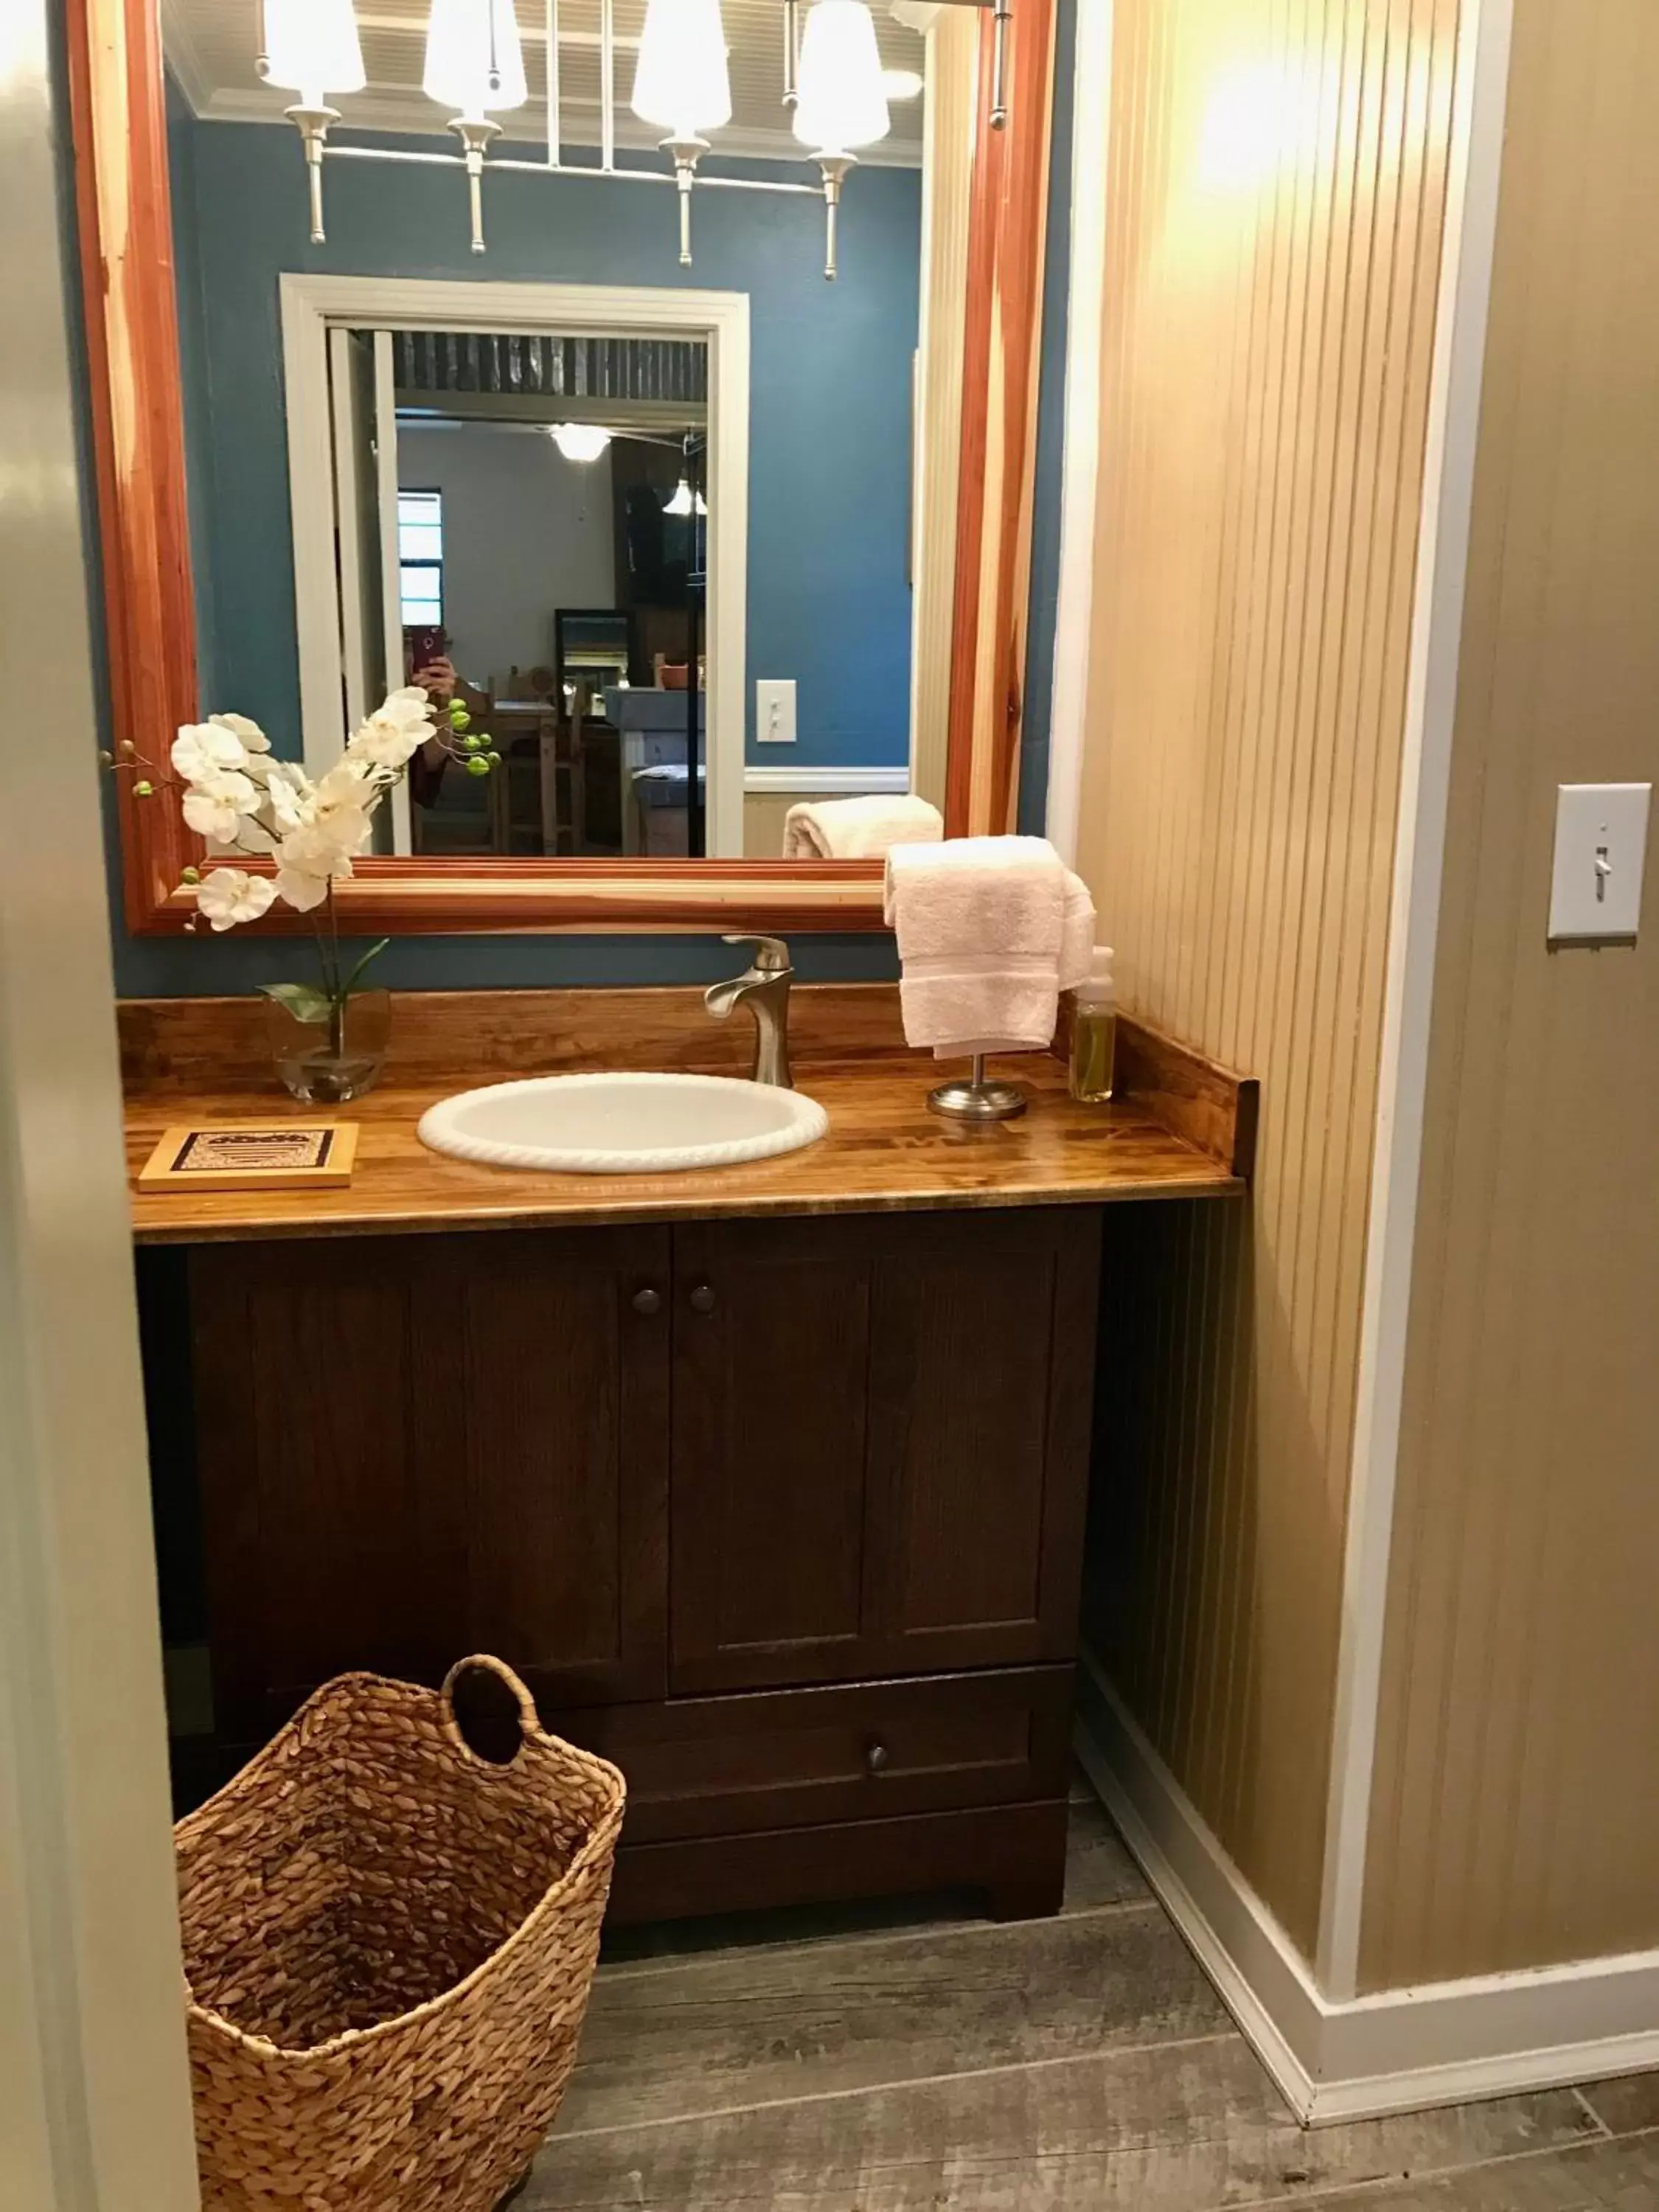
x=413 y=1448
x=880 y=1424
x=784 y=1515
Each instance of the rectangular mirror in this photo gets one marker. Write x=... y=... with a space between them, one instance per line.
x=564 y=421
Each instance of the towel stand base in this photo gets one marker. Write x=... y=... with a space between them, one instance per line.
x=975 y=1099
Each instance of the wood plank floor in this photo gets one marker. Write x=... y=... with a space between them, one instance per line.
x=911 y=2057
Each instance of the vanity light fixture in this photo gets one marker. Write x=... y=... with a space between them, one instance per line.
x=843 y=101
x=312 y=47
x=681 y=82
x=474 y=67
x=579 y=441
x=474 y=63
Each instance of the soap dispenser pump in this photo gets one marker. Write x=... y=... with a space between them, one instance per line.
x=1094 y=1031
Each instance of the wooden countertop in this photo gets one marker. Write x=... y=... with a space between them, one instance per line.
x=885 y=1150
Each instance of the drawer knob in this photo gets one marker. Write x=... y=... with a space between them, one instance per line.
x=702 y=1299
x=647 y=1301
x=875 y=1758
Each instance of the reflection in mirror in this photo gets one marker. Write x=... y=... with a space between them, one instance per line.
x=651 y=525
x=547 y=503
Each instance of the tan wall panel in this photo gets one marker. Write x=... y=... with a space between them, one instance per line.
x=762 y=823
x=1277 y=187
x=1517 y=1789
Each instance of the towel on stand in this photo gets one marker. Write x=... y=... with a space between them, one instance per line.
x=990 y=930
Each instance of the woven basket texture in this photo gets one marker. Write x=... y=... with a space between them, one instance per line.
x=389 y=1943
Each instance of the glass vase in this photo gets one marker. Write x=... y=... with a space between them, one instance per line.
x=337 y=1057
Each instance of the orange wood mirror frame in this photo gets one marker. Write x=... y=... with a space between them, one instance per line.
x=117 y=112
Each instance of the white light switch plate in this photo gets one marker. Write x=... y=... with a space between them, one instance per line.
x=774 y=710
x=1601 y=841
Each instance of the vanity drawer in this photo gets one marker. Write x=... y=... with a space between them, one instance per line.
x=729 y=1765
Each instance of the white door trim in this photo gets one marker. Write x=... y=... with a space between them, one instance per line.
x=1401 y=2050
x=94 y=2079
x=825 y=782
x=391 y=595
x=1462 y=311
x=720 y=319
x=1091 y=118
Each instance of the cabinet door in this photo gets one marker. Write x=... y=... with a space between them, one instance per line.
x=880 y=1444
x=771 y=1384
x=413 y=1448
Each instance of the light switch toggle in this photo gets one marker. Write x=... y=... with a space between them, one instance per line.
x=1601 y=843
x=774 y=710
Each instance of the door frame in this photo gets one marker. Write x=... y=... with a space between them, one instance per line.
x=311 y=306
x=94 y=2083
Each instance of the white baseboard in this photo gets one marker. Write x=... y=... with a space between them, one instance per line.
x=824 y=782
x=1399 y=2050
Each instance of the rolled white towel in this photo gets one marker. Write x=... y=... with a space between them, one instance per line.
x=858 y=828
x=990 y=930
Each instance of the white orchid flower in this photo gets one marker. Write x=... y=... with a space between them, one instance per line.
x=410 y=702
x=240 y=795
x=301 y=890
x=386 y=742
x=339 y=808
x=215 y=806
x=249 y=734
x=315 y=855
x=228 y=896
x=286 y=794
x=204 y=750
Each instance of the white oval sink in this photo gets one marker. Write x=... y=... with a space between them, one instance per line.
x=622 y=1124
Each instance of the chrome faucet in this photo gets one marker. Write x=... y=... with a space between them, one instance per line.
x=764 y=987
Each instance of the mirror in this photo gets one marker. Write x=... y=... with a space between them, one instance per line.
x=565 y=422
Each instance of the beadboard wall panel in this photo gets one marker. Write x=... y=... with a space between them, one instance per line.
x=1516 y=1801
x=1278 y=178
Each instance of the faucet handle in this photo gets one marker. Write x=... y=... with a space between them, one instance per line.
x=771 y=953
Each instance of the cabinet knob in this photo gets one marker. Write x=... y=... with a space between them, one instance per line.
x=702 y=1299
x=647 y=1301
x=875 y=1758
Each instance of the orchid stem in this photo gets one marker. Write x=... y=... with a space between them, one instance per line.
x=328 y=946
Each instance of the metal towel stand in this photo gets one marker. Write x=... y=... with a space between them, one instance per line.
x=976 y=1099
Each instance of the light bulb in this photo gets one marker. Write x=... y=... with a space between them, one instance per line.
x=474 y=63
x=313 y=48
x=842 y=104
x=681 y=82
x=901 y=84
x=682 y=502
x=580 y=441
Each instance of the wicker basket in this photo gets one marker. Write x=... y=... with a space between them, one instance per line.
x=389 y=1943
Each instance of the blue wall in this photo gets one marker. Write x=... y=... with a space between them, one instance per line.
x=831 y=384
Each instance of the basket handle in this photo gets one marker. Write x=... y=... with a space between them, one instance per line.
x=484 y=1663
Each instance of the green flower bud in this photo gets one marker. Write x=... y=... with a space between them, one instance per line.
x=495 y=759
x=478 y=767
x=143 y=788
x=470 y=744
x=192 y=875
x=459 y=717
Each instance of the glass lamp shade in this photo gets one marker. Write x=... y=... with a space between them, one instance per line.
x=313 y=48
x=843 y=102
x=680 y=83
x=580 y=441
x=474 y=63
x=683 y=501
